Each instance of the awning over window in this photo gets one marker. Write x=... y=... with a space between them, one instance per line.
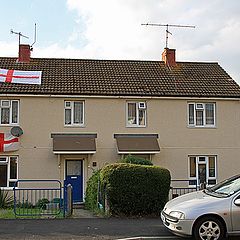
x=74 y=143
x=137 y=143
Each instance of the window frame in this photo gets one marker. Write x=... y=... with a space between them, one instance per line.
x=10 y=112
x=137 y=103
x=204 y=125
x=198 y=161
x=8 y=163
x=71 y=107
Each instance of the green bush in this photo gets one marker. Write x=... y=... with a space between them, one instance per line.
x=6 y=200
x=41 y=203
x=135 y=189
x=92 y=192
x=136 y=160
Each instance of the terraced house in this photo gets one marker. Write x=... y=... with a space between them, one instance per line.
x=62 y=118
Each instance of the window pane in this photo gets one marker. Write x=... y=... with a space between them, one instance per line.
x=191 y=114
x=209 y=107
x=132 y=118
x=5 y=116
x=211 y=182
x=199 y=118
x=67 y=116
x=14 y=112
x=3 y=159
x=211 y=163
x=78 y=112
x=202 y=174
x=13 y=168
x=3 y=175
x=202 y=159
x=192 y=166
x=142 y=117
x=74 y=168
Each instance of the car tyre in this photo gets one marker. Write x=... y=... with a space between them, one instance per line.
x=209 y=228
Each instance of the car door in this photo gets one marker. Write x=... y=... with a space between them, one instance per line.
x=236 y=213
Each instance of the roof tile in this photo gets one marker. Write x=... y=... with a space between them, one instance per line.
x=122 y=77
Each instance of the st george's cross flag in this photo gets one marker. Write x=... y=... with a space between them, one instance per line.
x=8 y=142
x=17 y=76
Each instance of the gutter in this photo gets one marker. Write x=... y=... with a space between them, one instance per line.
x=118 y=97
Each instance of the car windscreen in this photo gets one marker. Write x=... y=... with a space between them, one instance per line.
x=225 y=188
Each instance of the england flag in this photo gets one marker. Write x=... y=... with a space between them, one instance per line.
x=17 y=76
x=8 y=142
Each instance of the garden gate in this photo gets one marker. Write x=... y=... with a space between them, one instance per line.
x=40 y=198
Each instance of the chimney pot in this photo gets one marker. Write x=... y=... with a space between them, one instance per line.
x=24 y=53
x=168 y=56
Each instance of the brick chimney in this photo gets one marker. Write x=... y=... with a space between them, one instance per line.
x=168 y=56
x=24 y=53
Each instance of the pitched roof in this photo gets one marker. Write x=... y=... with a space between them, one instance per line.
x=122 y=78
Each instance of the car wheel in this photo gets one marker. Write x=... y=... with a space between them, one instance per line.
x=209 y=228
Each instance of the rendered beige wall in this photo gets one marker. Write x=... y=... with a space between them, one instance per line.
x=41 y=116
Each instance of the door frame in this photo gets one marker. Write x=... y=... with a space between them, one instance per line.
x=206 y=162
x=83 y=171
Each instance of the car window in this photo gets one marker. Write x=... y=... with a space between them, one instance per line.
x=225 y=188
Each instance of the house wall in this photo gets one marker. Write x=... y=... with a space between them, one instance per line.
x=41 y=116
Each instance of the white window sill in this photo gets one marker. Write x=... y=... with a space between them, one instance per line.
x=74 y=126
x=9 y=125
x=136 y=126
x=7 y=188
x=202 y=127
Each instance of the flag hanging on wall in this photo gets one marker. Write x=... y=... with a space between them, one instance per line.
x=17 y=76
x=8 y=142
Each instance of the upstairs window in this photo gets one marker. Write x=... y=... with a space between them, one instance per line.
x=8 y=171
x=136 y=114
x=201 y=114
x=74 y=113
x=9 y=113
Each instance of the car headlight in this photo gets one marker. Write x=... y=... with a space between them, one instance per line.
x=178 y=215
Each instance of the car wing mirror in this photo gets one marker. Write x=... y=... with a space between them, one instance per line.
x=237 y=202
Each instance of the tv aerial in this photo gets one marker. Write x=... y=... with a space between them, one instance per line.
x=21 y=35
x=167 y=27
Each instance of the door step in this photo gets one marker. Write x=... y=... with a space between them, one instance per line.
x=78 y=205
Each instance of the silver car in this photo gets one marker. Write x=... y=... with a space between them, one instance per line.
x=210 y=214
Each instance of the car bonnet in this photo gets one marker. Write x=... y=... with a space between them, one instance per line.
x=187 y=202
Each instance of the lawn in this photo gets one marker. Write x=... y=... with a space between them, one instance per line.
x=7 y=213
x=28 y=213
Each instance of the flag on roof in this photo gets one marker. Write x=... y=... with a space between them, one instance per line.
x=8 y=142
x=17 y=76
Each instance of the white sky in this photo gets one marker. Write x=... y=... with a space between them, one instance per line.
x=111 y=29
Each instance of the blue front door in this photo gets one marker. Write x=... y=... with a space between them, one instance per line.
x=74 y=176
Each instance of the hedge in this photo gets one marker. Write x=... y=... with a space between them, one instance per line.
x=92 y=192
x=135 y=189
x=136 y=160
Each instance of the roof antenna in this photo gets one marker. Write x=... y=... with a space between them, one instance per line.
x=167 y=26
x=19 y=35
x=35 y=36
